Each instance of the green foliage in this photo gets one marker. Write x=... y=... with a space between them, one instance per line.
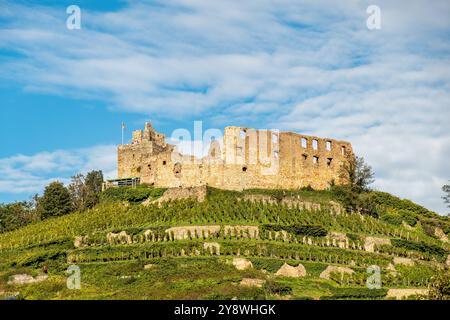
x=85 y=190
x=347 y=197
x=355 y=201
x=271 y=265
x=305 y=193
x=387 y=200
x=353 y=236
x=440 y=286
x=408 y=216
x=93 y=183
x=392 y=218
x=37 y=259
x=273 y=287
x=417 y=275
x=303 y=230
x=56 y=201
x=16 y=215
x=366 y=205
x=355 y=293
x=420 y=246
x=130 y=194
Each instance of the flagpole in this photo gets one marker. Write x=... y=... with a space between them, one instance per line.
x=123 y=127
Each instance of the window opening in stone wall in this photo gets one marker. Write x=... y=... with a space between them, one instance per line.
x=328 y=145
x=305 y=156
x=244 y=169
x=329 y=161
x=315 y=144
x=242 y=134
x=343 y=150
x=315 y=160
x=177 y=168
x=304 y=143
x=164 y=162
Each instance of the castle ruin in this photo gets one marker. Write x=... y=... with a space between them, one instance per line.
x=247 y=158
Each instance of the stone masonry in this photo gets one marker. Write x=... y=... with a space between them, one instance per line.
x=250 y=159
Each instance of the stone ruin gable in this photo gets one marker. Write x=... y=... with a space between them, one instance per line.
x=249 y=158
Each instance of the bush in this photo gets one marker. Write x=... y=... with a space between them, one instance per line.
x=440 y=286
x=273 y=287
x=367 y=206
x=392 y=218
x=408 y=216
x=347 y=197
x=271 y=265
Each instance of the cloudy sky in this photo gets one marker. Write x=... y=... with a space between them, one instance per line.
x=310 y=66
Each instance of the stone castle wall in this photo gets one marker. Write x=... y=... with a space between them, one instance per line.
x=248 y=158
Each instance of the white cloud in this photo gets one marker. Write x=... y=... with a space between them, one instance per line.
x=29 y=174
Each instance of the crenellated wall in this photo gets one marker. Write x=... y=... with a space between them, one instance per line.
x=249 y=158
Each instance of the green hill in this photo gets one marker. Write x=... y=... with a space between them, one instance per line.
x=231 y=245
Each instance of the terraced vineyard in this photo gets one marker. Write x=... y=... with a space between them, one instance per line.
x=245 y=245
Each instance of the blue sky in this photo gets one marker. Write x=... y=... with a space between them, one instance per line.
x=306 y=66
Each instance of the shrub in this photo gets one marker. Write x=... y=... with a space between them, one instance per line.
x=392 y=218
x=271 y=265
x=346 y=196
x=273 y=287
x=408 y=216
x=440 y=286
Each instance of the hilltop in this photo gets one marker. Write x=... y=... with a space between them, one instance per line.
x=215 y=244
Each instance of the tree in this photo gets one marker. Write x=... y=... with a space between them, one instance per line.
x=93 y=182
x=440 y=286
x=77 y=190
x=446 y=198
x=85 y=190
x=16 y=215
x=56 y=201
x=357 y=174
